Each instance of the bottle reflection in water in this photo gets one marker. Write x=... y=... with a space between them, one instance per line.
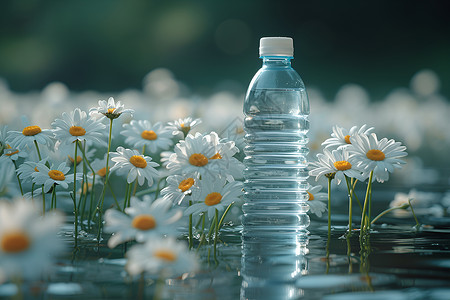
x=271 y=265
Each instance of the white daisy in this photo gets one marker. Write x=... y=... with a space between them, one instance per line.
x=223 y=159
x=29 y=135
x=143 y=220
x=214 y=193
x=179 y=186
x=316 y=206
x=110 y=109
x=58 y=176
x=183 y=126
x=165 y=158
x=336 y=162
x=135 y=165
x=381 y=157
x=161 y=256
x=27 y=168
x=143 y=133
x=193 y=155
x=28 y=241
x=13 y=153
x=78 y=126
x=341 y=136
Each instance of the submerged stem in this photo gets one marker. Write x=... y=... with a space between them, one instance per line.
x=414 y=215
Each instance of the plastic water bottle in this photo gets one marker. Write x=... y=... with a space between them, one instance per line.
x=276 y=112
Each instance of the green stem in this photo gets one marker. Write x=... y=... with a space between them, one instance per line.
x=53 y=203
x=210 y=232
x=369 y=211
x=157 y=188
x=83 y=197
x=191 y=236
x=74 y=196
x=202 y=237
x=43 y=200
x=114 y=196
x=350 y=204
x=224 y=215
x=366 y=200
x=92 y=195
x=48 y=165
x=329 y=204
x=37 y=149
x=216 y=234
x=102 y=197
x=126 y=197
x=32 y=192
x=353 y=184
x=414 y=215
x=129 y=195
x=18 y=179
x=404 y=206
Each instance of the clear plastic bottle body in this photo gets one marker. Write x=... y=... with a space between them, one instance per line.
x=276 y=110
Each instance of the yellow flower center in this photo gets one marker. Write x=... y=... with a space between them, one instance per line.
x=79 y=159
x=111 y=110
x=149 y=135
x=375 y=154
x=14 y=242
x=342 y=165
x=186 y=184
x=166 y=255
x=36 y=169
x=310 y=196
x=138 y=161
x=198 y=159
x=213 y=199
x=11 y=153
x=31 y=130
x=216 y=156
x=77 y=131
x=56 y=175
x=185 y=128
x=144 y=222
x=102 y=172
x=347 y=139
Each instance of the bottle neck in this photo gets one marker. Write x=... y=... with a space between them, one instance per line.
x=277 y=61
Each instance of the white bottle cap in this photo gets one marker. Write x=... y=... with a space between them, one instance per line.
x=276 y=46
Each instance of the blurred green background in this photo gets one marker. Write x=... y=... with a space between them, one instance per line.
x=110 y=45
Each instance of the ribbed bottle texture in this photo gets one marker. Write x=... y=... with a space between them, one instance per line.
x=276 y=110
